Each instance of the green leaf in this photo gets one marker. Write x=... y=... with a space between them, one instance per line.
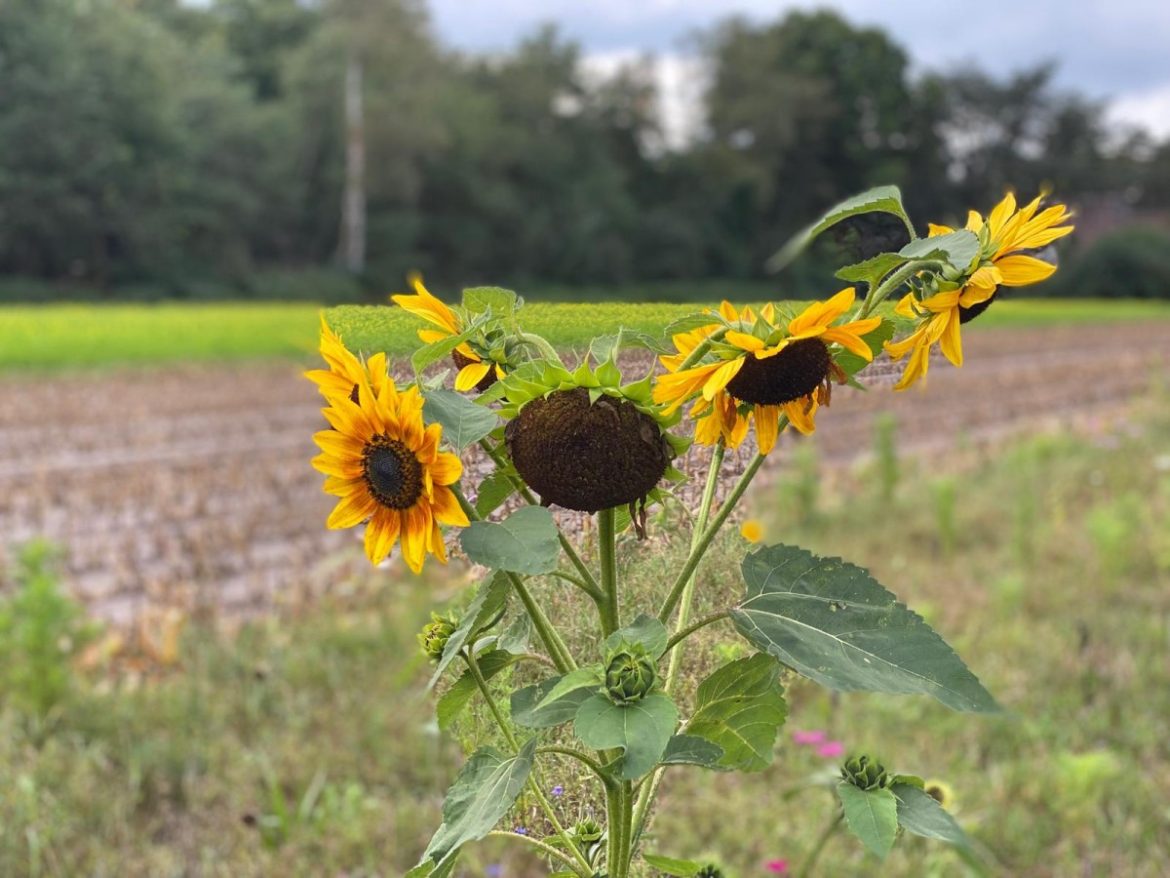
x=427 y=868
x=583 y=678
x=871 y=271
x=463 y=422
x=646 y=630
x=691 y=321
x=959 y=248
x=851 y=364
x=881 y=199
x=517 y=636
x=740 y=708
x=919 y=813
x=871 y=815
x=435 y=351
x=642 y=729
x=690 y=750
x=524 y=702
x=489 y=602
x=482 y=793
x=605 y=348
x=673 y=867
x=501 y=302
x=835 y=624
x=524 y=542
x=493 y=491
x=461 y=692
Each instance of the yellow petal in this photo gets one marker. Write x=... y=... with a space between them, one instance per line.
x=350 y=511
x=744 y=341
x=950 y=342
x=446 y=508
x=1000 y=214
x=848 y=340
x=752 y=531
x=678 y=387
x=470 y=375
x=416 y=532
x=447 y=469
x=721 y=376
x=381 y=534
x=801 y=414
x=933 y=230
x=767 y=427
x=329 y=465
x=1019 y=271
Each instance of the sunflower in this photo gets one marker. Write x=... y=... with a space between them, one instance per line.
x=345 y=370
x=388 y=472
x=762 y=370
x=475 y=371
x=1003 y=235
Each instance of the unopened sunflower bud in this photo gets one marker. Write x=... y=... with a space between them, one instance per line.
x=709 y=871
x=588 y=832
x=865 y=773
x=435 y=634
x=630 y=675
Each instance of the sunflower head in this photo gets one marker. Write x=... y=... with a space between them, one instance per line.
x=582 y=439
x=630 y=674
x=941 y=792
x=865 y=773
x=345 y=369
x=385 y=466
x=474 y=334
x=765 y=365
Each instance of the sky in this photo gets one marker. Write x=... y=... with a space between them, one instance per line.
x=1117 y=50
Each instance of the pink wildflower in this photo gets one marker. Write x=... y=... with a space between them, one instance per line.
x=777 y=867
x=812 y=736
x=831 y=749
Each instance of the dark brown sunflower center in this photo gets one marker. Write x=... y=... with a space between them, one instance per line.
x=587 y=455
x=966 y=315
x=393 y=474
x=793 y=373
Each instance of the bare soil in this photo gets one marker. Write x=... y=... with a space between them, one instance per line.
x=192 y=485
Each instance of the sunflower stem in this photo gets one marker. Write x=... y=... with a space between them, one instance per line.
x=892 y=282
x=712 y=529
x=610 y=616
x=546 y=849
x=647 y=793
x=581 y=866
x=683 y=633
x=558 y=652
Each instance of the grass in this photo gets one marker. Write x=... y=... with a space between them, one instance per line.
x=72 y=335
x=305 y=745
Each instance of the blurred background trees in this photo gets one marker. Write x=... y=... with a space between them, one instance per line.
x=156 y=148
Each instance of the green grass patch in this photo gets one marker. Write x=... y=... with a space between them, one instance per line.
x=73 y=335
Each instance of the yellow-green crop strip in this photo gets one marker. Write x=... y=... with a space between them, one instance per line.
x=69 y=335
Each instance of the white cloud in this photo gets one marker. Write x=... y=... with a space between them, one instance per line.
x=1149 y=109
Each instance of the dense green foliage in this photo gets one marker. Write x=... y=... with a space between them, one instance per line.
x=1126 y=264
x=169 y=149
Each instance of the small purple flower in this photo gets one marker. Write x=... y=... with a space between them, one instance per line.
x=831 y=749
x=520 y=830
x=558 y=791
x=812 y=736
x=495 y=870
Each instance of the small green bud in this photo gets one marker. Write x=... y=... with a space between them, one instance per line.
x=630 y=674
x=588 y=831
x=435 y=634
x=709 y=871
x=865 y=773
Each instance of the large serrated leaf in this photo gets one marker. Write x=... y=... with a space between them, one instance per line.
x=834 y=623
x=871 y=815
x=524 y=542
x=739 y=709
x=462 y=690
x=881 y=199
x=872 y=270
x=919 y=813
x=551 y=713
x=493 y=491
x=642 y=729
x=482 y=793
x=499 y=301
x=463 y=422
x=689 y=750
x=645 y=630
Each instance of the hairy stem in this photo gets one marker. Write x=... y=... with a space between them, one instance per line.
x=892 y=281
x=708 y=535
x=811 y=860
x=682 y=634
x=546 y=849
x=581 y=864
x=610 y=618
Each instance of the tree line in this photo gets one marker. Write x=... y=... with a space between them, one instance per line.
x=185 y=149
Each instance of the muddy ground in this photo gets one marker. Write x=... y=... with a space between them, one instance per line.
x=192 y=486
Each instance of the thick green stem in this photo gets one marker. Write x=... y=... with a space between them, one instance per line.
x=596 y=767
x=683 y=633
x=811 y=860
x=708 y=535
x=610 y=616
x=892 y=282
x=558 y=652
x=619 y=818
x=581 y=866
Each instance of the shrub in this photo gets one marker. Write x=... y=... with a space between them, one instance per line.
x=1127 y=264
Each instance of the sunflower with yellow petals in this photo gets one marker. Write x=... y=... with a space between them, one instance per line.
x=345 y=370
x=770 y=369
x=386 y=468
x=476 y=371
x=1002 y=236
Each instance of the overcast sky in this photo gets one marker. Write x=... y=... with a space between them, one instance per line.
x=1116 y=49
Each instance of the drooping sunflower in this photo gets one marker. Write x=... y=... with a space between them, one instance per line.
x=1003 y=236
x=345 y=370
x=476 y=371
x=386 y=468
x=761 y=369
